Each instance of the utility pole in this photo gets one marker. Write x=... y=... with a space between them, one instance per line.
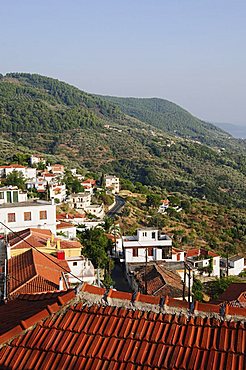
x=184 y=284
x=145 y=273
x=5 y=284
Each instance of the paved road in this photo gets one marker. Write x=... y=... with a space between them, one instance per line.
x=119 y=203
x=120 y=281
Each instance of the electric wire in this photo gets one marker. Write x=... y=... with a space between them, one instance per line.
x=36 y=249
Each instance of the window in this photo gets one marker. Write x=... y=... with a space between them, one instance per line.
x=11 y=217
x=135 y=252
x=144 y=233
x=43 y=215
x=27 y=216
x=150 y=252
x=166 y=253
x=1 y=195
x=153 y=235
x=74 y=263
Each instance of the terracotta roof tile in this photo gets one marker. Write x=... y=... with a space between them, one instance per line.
x=33 y=272
x=104 y=337
x=27 y=309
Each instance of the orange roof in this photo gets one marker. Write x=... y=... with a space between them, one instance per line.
x=38 y=238
x=69 y=216
x=193 y=252
x=96 y=336
x=89 y=181
x=26 y=309
x=32 y=272
x=13 y=166
x=64 y=225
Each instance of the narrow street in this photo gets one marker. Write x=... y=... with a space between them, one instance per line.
x=118 y=276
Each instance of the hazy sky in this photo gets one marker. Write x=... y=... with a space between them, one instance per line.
x=192 y=52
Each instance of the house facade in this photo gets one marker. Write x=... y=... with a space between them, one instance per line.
x=204 y=262
x=82 y=268
x=18 y=213
x=147 y=246
x=112 y=183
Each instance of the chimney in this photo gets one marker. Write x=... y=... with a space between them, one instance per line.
x=61 y=284
x=52 y=238
x=52 y=201
x=48 y=243
x=58 y=244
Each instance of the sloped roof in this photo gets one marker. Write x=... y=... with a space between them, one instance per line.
x=32 y=272
x=26 y=309
x=64 y=225
x=87 y=335
x=160 y=281
x=38 y=238
x=69 y=216
x=233 y=292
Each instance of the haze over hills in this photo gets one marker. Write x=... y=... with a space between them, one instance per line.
x=237 y=131
x=159 y=145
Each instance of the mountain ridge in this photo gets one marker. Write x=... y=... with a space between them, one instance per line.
x=93 y=133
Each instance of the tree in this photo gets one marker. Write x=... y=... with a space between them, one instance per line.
x=153 y=200
x=197 y=290
x=95 y=246
x=16 y=178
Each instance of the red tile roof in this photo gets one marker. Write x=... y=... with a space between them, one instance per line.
x=27 y=309
x=33 y=272
x=38 y=238
x=13 y=166
x=64 y=225
x=160 y=281
x=93 y=336
x=234 y=292
x=69 y=216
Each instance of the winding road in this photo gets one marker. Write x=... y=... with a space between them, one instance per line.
x=119 y=203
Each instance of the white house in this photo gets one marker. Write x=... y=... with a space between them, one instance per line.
x=58 y=192
x=202 y=261
x=36 y=159
x=82 y=268
x=27 y=172
x=148 y=245
x=66 y=229
x=235 y=265
x=96 y=210
x=81 y=200
x=163 y=206
x=12 y=194
x=17 y=213
x=112 y=183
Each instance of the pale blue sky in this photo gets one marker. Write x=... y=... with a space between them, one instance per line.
x=191 y=52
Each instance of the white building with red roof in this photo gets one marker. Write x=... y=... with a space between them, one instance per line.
x=204 y=262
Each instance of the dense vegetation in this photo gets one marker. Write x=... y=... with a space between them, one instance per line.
x=78 y=129
x=170 y=117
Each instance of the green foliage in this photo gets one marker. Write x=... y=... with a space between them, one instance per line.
x=153 y=200
x=15 y=178
x=72 y=183
x=73 y=125
x=218 y=286
x=197 y=290
x=95 y=246
x=169 y=117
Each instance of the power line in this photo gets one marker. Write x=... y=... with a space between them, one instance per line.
x=36 y=249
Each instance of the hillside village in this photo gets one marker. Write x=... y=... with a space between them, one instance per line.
x=60 y=309
x=42 y=216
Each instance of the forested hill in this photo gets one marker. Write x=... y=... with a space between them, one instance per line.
x=40 y=114
x=171 y=118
